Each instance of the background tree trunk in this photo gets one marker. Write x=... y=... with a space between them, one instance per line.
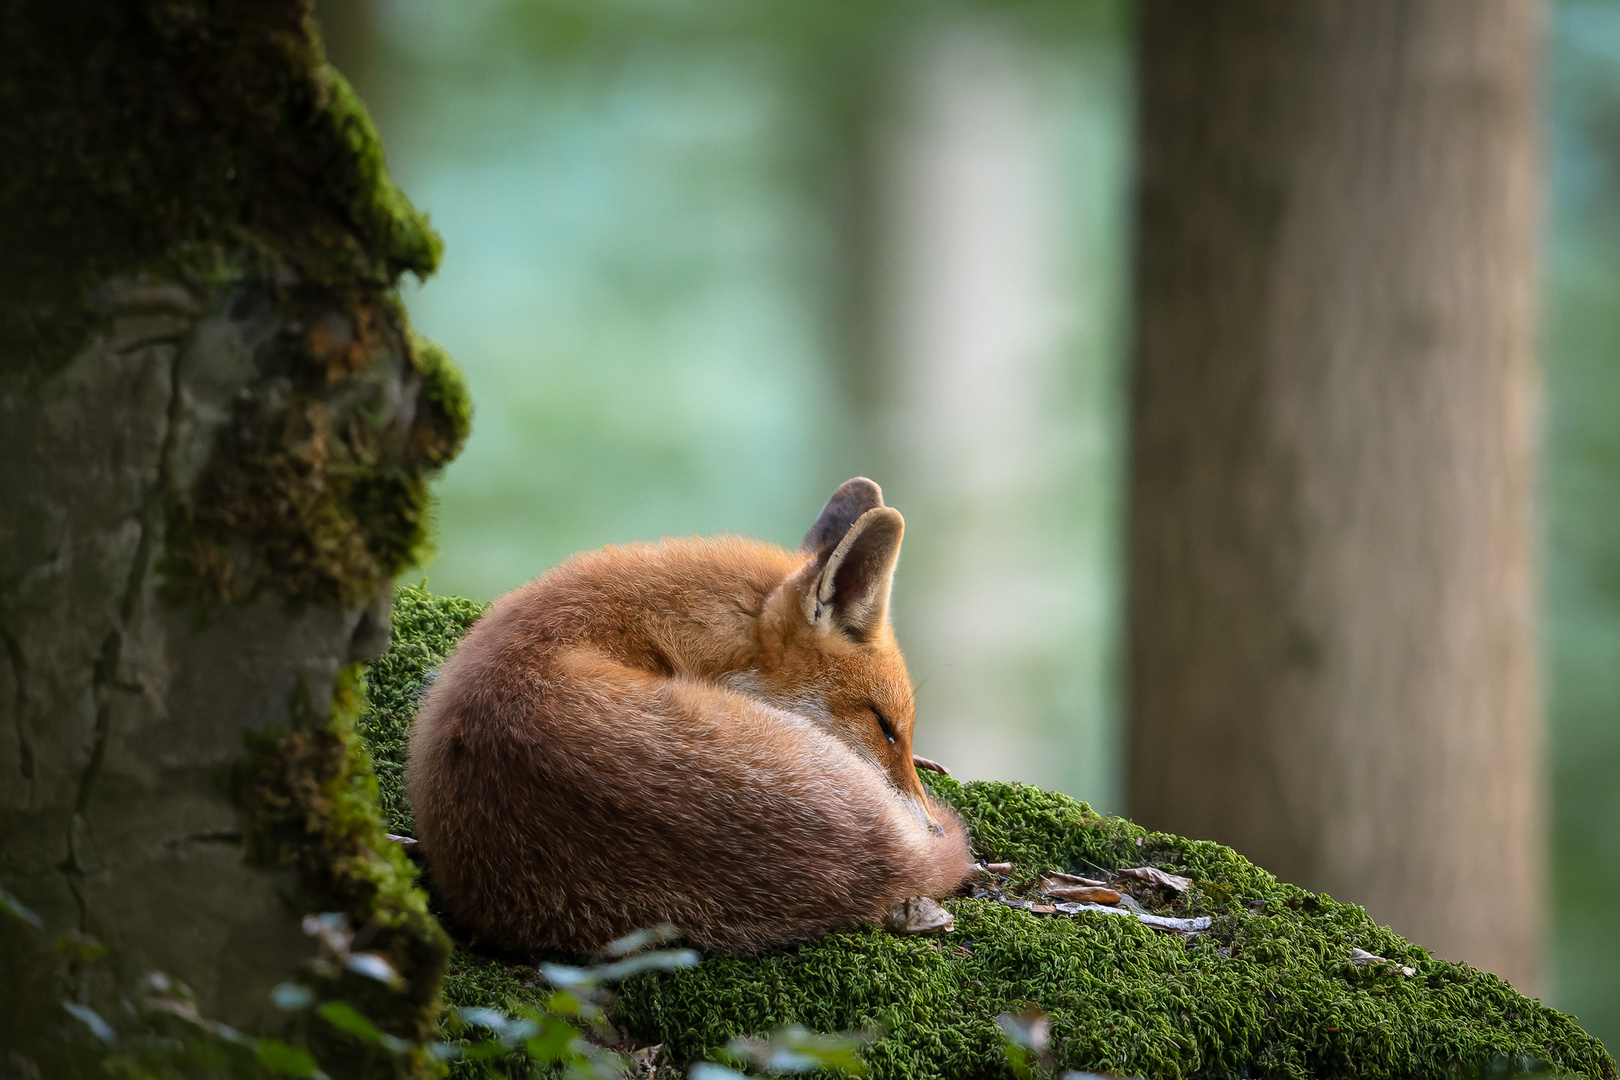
x=1330 y=585
x=216 y=427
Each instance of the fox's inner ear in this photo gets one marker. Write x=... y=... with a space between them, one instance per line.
x=852 y=499
x=851 y=592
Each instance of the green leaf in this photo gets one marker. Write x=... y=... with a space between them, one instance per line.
x=374 y=966
x=565 y=977
x=92 y=1020
x=793 y=1049
x=484 y=1050
x=662 y=934
x=284 y=1060
x=667 y=960
x=553 y=1042
x=445 y=1051
x=342 y=1015
x=708 y=1070
x=292 y=996
x=16 y=909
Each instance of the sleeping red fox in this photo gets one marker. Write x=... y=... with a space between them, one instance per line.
x=714 y=733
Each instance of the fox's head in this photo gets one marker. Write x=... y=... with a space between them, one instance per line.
x=830 y=652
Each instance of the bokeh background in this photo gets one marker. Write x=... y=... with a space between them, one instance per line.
x=707 y=259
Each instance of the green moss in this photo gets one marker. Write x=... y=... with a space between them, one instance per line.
x=317 y=491
x=1268 y=992
x=446 y=390
x=1044 y=831
x=309 y=805
x=401 y=237
x=189 y=138
x=425 y=629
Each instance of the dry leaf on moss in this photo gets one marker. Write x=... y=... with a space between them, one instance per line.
x=1074 y=879
x=918 y=915
x=1072 y=887
x=1154 y=876
x=1094 y=894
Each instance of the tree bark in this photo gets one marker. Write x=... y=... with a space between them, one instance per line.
x=215 y=428
x=1330 y=584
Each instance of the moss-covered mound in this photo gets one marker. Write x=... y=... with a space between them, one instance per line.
x=1268 y=991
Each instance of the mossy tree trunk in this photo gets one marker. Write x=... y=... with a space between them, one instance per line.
x=216 y=429
x=1330 y=642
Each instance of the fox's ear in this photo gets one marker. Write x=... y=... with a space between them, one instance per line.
x=850 y=593
x=852 y=499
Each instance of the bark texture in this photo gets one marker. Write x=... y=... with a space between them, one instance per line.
x=1330 y=586
x=216 y=429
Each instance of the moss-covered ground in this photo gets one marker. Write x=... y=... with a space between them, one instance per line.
x=1268 y=991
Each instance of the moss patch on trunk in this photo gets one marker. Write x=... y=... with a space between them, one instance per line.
x=309 y=801
x=1268 y=991
x=180 y=137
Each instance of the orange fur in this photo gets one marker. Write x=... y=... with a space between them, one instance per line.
x=684 y=732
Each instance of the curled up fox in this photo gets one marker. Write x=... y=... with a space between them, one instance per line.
x=714 y=733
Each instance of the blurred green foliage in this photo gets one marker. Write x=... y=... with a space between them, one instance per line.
x=1581 y=508
x=655 y=217
x=664 y=239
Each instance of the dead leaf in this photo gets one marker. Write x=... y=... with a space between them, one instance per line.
x=918 y=915
x=1363 y=958
x=1043 y=909
x=1095 y=894
x=1073 y=879
x=1154 y=876
x=931 y=766
x=648 y=1061
x=997 y=867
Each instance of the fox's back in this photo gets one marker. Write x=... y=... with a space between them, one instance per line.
x=605 y=751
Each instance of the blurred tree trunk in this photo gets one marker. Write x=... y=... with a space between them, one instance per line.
x=1330 y=585
x=216 y=427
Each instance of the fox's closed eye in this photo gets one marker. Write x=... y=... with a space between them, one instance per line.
x=883 y=722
